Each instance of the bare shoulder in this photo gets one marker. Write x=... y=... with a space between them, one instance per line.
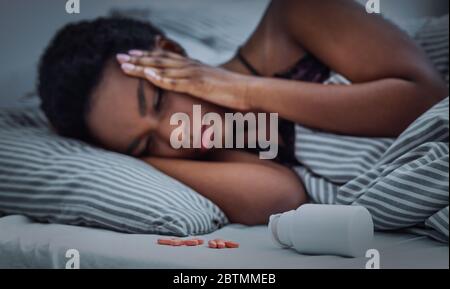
x=361 y=46
x=325 y=11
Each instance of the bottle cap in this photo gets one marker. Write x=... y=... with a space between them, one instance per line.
x=279 y=228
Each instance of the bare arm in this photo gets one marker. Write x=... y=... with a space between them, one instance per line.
x=383 y=108
x=248 y=192
x=393 y=81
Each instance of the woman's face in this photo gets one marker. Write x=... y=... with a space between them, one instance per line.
x=131 y=116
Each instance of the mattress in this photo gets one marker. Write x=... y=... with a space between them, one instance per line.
x=26 y=244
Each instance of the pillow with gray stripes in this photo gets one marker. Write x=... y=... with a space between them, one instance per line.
x=58 y=180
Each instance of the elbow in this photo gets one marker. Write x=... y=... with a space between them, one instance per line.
x=433 y=90
x=260 y=216
x=286 y=199
x=423 y=91
x=429 y=91
x=429 y=86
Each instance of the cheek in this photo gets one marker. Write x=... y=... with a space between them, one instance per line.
x=104 y=130
x=177 y=103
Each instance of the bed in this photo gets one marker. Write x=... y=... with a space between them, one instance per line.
x=25 y=243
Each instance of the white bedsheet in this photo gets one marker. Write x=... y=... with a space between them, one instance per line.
x=24 y=243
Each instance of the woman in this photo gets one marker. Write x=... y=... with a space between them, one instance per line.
x=117 y=82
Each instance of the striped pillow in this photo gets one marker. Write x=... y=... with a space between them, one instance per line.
x=433 y=38
x=59 y=180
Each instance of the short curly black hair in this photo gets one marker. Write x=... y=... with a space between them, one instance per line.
x=73 y=64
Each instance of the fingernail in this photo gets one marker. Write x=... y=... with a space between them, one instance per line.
x=150 y=72
x=135 y=52
x=123 y=57
x=128 y=66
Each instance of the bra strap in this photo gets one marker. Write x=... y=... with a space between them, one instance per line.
x=246 y=63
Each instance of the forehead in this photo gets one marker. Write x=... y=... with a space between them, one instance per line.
x=114 y=115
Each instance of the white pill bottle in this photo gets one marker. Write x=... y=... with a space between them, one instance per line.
x=324 y=230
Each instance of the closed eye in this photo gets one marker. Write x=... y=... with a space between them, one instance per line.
x=157 y=100
x=159 y=93
x=148 y=145
x=156 y=107
x=142 y=99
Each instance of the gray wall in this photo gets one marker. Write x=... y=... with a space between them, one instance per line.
x=26 y=27
x=405 y=9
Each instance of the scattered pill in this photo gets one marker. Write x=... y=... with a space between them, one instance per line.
x=200 y=241
x=216 y=243
x=212 y=244
x=231 y=244
x=177 y=242
x=220 y=243
x=191 y=242
x=167 y=242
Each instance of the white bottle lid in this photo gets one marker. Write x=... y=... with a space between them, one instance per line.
x=323 y=229
x=279 y=230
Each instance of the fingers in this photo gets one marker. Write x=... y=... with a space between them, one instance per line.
x=133 y=70
x=168 y=73
x=154 y=73
x=156 y=61
x=153 y=61
x=164 y=69
x=155 y=53
x=174 y=79
x=179 y=84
